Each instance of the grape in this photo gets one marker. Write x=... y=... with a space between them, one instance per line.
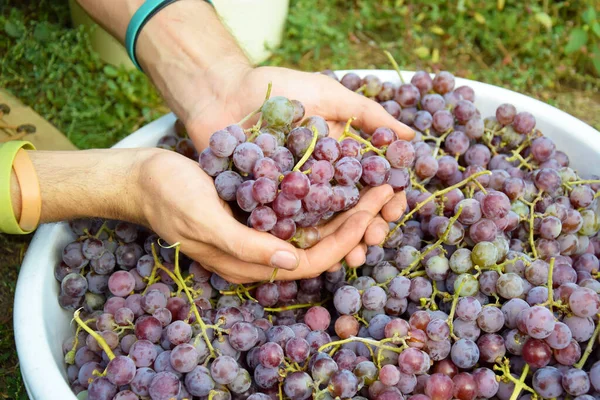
x=524 y=122
x=164 y=386
x=468 y=308
x=457 y=143
x=581 y=328
x=120 y=370
x=584 y=302
x=575 y=382
x=439 y=387
x=298 y=386
x=443 y=82
x=222 y=143
x=120 y=283
x=327 y=149
x=540 y=322
x=581 y=196
x=426 y=167
x=227 y=183
x=263 y=218
x=73 y=256
x=464 y=353
x=101 y=389
x=407 y=95
x=400 y=154
x=74 y=285
x=423 y=120
x=343 y=384
x=442 y=120
x=348 y=171
x=471 y=211
x=317 y=318
x=495 y=205
x=199 y=381
x=510 y=285
x=536 y=353
x=490 y=319
x=569 y=355
x=278 y=111
x=351 y=81
x=244 y=197
x=413 y=361
x=376 y=171
x=464 y=111
x=547 y=382
x=212 y=164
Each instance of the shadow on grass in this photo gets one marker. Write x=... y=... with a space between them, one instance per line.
x=11 y=252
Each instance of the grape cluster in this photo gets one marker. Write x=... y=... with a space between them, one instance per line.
x=288 y=176
x=486 y=288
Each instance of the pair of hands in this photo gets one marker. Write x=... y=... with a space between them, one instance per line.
x=182 y=204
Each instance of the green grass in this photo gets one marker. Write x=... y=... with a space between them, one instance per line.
x=546 y=49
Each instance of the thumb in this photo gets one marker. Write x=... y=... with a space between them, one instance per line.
x=255 y=247
x=370 y=115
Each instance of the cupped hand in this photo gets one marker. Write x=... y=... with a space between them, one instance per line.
x=227 y=103
x=180 y=204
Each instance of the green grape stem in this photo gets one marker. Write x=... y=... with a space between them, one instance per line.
x=430 y=303
x=520 y=384
x=368 y=145
x=433 y=196
x=309 y=151
x=296 y=306
x=531 y=219
x=101 y=342
x=589 y=347
x=438 y=141
x=253 y=113
x=371 y=342
x=408 y=270
x=455 y=298
x=70 y=356
x=394 y=64
x=176 y=276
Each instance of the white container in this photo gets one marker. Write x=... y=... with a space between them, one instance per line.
x=257 y=25
x=41 y=325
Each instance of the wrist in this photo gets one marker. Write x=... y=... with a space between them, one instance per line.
x=189 y=55
x=90 y=183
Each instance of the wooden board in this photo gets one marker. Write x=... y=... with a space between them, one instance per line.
x=46 y=137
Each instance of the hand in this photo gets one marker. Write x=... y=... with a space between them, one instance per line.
x=180 y=203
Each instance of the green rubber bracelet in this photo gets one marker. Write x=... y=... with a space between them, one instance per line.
x=139 y=19
x=8 y=221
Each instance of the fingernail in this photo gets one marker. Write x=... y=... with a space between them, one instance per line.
x=284 y=259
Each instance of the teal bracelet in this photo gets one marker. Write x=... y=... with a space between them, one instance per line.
x=139 y=19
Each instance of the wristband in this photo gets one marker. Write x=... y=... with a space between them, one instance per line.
x=29 y=184
x=139 y=19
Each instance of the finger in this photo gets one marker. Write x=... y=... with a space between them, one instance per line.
x=394 y=208
x=249 y=245
x=343 y=104
x=357 y=256
x=313 y=262
x=376 y=232
x=335 y=267
x=334 y=247
x=372 y=200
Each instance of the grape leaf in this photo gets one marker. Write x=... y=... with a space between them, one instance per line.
x=544 y=19
x=422 y=52
x=596 y=59
x=596 y=28
x=577 y=40
x=589 y=15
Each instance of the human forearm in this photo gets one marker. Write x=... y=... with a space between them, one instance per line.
x=91 y=183
x=185 y=49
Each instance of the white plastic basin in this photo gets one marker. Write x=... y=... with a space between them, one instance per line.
x=41 y=325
